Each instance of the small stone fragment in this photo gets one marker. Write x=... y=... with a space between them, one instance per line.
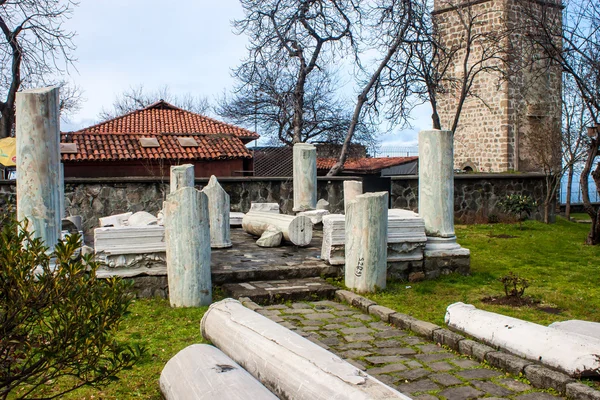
x=270 y=238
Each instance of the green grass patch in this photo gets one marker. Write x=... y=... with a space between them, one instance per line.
x=563 y=273
x=581 y=216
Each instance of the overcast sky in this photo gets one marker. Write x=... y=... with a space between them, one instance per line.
x=187 y=45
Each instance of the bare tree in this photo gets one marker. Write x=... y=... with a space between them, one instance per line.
x=35 y=46
x=136 y=97
x=300 y=36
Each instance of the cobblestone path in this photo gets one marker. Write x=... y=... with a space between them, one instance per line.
x=411 y=364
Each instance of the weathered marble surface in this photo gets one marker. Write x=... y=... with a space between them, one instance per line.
x=218 y=211
x=129 y=240
x=116 y=220
x=316 y=216
x=181 y=176
x=289 y=365
x=235 y=218
x=265 y=207
x=366 y=242
x=585 y=328
x=40 y=192
x=187 y=235
x=270 y=238
x=295 y=229
x=305 y=177
x=351 y=190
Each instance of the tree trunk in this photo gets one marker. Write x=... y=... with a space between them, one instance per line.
x=7 y=121
x=593 y=237
x=569 y=189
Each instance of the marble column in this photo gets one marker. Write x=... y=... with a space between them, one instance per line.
x=351 y=190
x=182 y=176
x=305 y=177
x=187 y=235
x=39 y=190
x=366 y=242
x=218 y=211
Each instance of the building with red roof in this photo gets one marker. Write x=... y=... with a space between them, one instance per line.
x=147 y=142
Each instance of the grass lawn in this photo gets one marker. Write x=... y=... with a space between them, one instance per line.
x=563 y=272
x=581 y=216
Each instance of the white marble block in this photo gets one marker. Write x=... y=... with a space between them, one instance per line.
x=218 y=210
x=291 y=366
x=181 y=176
x=265 y=207
x=366 y=242
x=203 y=372
x=235 y=218
x=116 y=220
x=571 y=353
x=295 y=229
x=187 y=234
x=39 y=190
x=351 y=190
x=129 y=240
x=305 y=177
x=316 y=216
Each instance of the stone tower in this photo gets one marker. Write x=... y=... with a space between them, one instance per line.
x=514 y=111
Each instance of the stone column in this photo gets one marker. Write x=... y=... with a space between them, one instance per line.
x=182 y=176
x=366 y=242
x=38 y=163
x=218 y=211
x=305 y=177
x=351 y=190
x=187 y=235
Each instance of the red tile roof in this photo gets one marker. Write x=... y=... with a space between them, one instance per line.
x=162 y=117
x=118 y=139
x=365 y=164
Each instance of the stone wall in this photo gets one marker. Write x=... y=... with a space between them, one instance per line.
x=475 y=195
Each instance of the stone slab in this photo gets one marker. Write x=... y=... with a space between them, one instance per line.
x=265 y=292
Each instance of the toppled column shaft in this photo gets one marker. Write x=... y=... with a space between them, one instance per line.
x=295 y=229
x=39 y=189
x=289 y=365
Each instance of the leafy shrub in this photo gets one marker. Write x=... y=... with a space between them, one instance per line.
x=514 y=285
x=518 y=205
x=57 y=320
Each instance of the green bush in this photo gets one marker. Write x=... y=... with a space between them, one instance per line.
x=519 y=205
x=57 y=320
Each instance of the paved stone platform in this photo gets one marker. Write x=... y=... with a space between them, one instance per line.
x=270 y=292
x=411 y=364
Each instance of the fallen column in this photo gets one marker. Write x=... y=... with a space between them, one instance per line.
x=351 y=190
x=203 y=372
x=218 y=211
x=39 y=190
x=366 y=242
x=295 y=229
x=574 y=354
x=291 y=366
x=181 y=176
x=187 y=235
x=585 y=328
x=305 y=177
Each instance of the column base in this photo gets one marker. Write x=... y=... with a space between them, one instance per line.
x=444 y=256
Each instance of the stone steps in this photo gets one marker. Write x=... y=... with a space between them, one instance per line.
x=223 y=275
x=279 y=291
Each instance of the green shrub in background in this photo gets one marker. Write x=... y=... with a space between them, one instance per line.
x=518 y=205
x=56 y=321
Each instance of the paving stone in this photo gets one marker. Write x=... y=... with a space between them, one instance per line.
x=391 y=333
x=354 y=324
x=441 y=366
x=275 y=318
x=329 y=333
x=473 y=349
x=381 y=312
x=354 y=331
x=287 y=325
x=536 y=396
x=385 y=359
x=445 y=379
x=330 y=327
x=268 y=313
x=447 y=338
x=395 y=351
x=494 y=398
x=299 y=311
x=387 y=369
x=340 y=320
x=362 y=303
x=327 y=303
x=276 y=307
x=319 y=316
x=465 y=363
x=387 y=379
x=492 y=389
x=580 y=391
x=346 y=313
x=331 y=341
x=356 y=345
x=362 y=317
x=542 y=377
x=402 y=321
x=357 y=364
x=355 y=353
x=426 y=396
x=461 y=393
x=414 y=374
x=423 y=328
x=359 y=338
x=298 y=306
x=312 y=328
x=312 y=322
x=431 y=348
x=507 y=362
x=345 y=295
x=424 y=385
x=413 y=340
x=433 y=357
x=388 y=343
x=381 y=326
x=515 y=385
x=478 y=373
x=413 y=364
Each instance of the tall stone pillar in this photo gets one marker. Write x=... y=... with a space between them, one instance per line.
x=182 y=176
x=436 y=205
x=366 y=242
x=38 y=163
x=351 y=190
x=187 y=234
x=305 y=177
x=218 y=211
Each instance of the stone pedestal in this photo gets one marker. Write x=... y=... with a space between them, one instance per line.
x=351 y=190
x=182 y=176
x=218 y=211
x=187 y=235
x=39 y=191
x=305 y=177
x=366 y=242
x=436 y=204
